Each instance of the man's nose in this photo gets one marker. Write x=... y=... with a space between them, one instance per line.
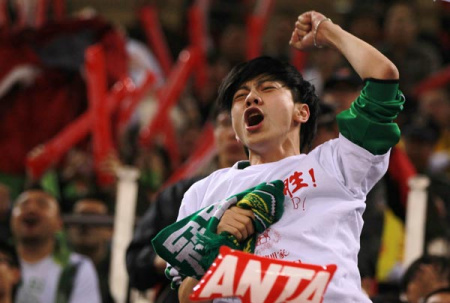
x=253 y=98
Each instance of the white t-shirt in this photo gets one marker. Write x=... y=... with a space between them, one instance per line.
x=40 y=281
x=325 y=193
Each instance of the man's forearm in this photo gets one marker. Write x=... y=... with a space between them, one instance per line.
x=367 y=61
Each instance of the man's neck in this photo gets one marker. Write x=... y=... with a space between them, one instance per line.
x=272 y=155
x=35 y=252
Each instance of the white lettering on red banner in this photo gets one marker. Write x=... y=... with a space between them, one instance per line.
x=258 y=279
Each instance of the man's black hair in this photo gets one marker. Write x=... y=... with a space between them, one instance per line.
x=441 y=265
x=275 y=70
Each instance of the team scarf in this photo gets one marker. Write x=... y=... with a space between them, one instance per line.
x=191 y=244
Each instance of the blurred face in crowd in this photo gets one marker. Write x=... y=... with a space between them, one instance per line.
x=9 y=275
x=436 y=104
x=419 y=152
x=341 y=96
x=426 y=280
x=85 y=237
x=400 y=25
x=229 y=149
x=232 y=43
x=366 y=27
x=35 y=217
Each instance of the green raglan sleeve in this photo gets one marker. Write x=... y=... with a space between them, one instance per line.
x=369 y=121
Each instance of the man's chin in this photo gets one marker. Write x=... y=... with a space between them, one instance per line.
x=32 y=240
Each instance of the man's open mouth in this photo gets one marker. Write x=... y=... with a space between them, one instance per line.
x=31 y=221
x=253 y=116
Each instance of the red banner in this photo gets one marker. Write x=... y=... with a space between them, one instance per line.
x=4 y=15
x=53 y=150
x=197 y=35
x=169 y=94
x=129 y=105
x=155 y=37
x=258 y=279
x=59 y=9
x=255 y=27
x=101 y=125
x=299 y=59
x=41 y=12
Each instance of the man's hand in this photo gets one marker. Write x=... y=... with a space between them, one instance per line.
x=186 y=289
x=238 y=222
x=303 y=35
x=160 y=264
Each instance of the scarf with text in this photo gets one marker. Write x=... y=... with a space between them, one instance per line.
x=191 y=244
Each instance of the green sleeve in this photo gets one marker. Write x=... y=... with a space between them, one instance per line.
x=369 y=121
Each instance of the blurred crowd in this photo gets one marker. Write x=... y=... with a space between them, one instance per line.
x=60 y=221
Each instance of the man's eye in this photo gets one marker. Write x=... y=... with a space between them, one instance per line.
x=239 y=96
x=268 y=88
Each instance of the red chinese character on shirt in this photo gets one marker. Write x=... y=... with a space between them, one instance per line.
x=286 y=188
x=295 y=179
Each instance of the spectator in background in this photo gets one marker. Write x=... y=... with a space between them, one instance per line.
x=323 y=62
x=342 y=88
x=145 y=268
x=435 y=104
x=93 y=241
x=9 y=272
x=423 y=276
x=50 y=272
x=441 y=295
x=232 y=42
x=327 y=127
x=414 y=59
x=276 y=40
x=420 y=138
x=365 y=24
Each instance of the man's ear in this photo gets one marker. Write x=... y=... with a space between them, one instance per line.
x=237 y=139
x=301 y=112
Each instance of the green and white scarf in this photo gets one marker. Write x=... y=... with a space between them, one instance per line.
x=191 y=244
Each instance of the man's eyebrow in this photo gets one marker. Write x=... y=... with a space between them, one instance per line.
x=263 y=80
x=243 y=86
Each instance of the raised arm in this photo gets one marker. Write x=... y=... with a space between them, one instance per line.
x=313 y=29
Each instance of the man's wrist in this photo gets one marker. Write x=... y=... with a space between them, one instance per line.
x=328 y=34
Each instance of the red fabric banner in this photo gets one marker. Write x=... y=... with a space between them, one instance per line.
x=258 y=279
x=101 y=124
x=41 y=12
x=155 y=37
x=299 y=59
x=52 y=151
x=169 y=94
x=197 y=34
x=255 y=27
